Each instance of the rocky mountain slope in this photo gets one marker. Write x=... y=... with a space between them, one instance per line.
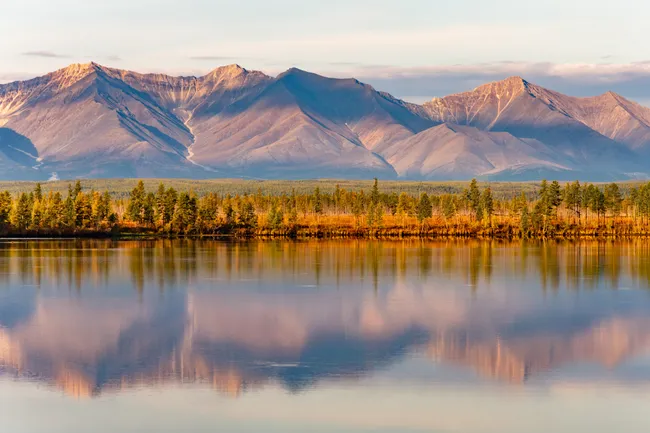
x=93 y=121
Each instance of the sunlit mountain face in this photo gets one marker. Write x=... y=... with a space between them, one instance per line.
x=93 y=121
x=95 y=317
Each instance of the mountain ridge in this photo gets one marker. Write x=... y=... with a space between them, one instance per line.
x=89 y=120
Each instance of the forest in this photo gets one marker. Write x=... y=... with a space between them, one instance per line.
x=551 y=210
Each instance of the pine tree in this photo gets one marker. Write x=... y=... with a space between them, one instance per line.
x=149 y=209
x=318 y=202
x=55 y=211
x=5 y=208
x=448 y=206
x=425 y=209
x=573 y=197
x=135 y=208
x=228 y=211
x=171 y=198
x=77 y=189
x=487 y=203
x=613 y=199
x=370 y=214
x=22 y=213
x=247 y=216
x=83 y=211
x=160 y=204
x=37 y=213
x=404 y=207
x=69 y=219
x=524 y=225
x=473 y=197
x=185 y=216
x=38 y=192
x=374 y=193
x=275 y=216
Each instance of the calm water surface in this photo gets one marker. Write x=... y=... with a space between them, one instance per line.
x=191 y=336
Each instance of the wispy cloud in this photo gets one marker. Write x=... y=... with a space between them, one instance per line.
x=10 y=77
x=629 y=79
x=215 y=58
x=45 y=54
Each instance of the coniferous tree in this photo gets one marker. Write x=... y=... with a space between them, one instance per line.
x=37 y=214
x=275 y=216
x=38 y=192
x=135 y=207
x=524 y=225
x=149 y=209
x=318 y=202
x=160 y=204
x=22 y=212
x=448 y=207
x=473 y=197
x=83 y=211
x=425 y=209
x=487 y=203
x=613 y=199
x=5 y=208
x=247 y=216
x=171 y=198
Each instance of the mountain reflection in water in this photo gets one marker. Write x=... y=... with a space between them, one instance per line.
x=96 y=316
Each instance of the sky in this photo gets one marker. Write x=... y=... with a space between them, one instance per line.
x=415 y=49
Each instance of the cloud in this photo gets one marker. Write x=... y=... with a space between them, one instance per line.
x=45 y=54
x=114 y=58
x=631 y=80
x=14 y=76
x=214 y=58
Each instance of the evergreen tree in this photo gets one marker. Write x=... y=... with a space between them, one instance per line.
x=186 y=211
x=613 y=199
x=38 y=192
x=275 y=216
x=5 y=208
x=55 y=212
x=208 y=212
x=425 y=209
x=22 y=213
x=171 y=198
x=524 y=224
x=473 y=197
x=247 y=216
x=135 y=208
x=374 y=193
x=573 y=197
x=448 y=206
x=404 y=207
x=487 y=203
x=70 y=216
x=77 y=189
x=37 y=214
x=149 y=209
x=228 y=211
x=160 y=204
x=318 y=202
x=83 y=211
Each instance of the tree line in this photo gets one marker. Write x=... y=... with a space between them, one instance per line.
x=572 y=209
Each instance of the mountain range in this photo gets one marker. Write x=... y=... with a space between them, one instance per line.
x=91 y=121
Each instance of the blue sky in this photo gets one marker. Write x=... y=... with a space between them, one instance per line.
x=413 y=48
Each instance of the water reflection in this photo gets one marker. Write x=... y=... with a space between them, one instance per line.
x=96 y=316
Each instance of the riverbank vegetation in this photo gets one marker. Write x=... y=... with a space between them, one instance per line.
x=550 y=210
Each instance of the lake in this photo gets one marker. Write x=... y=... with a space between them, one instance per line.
x=323 y=336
